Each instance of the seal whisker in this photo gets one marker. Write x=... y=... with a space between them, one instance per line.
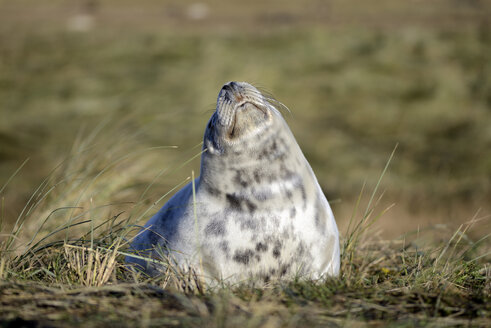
x=268 y=96
x=280 y=105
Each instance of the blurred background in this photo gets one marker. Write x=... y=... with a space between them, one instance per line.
x=89 y=85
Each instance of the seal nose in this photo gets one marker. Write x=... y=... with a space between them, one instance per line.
x=231 y=91
x=231 y=86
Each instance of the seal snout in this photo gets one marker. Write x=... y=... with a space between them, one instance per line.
x=233 y=92
x=241 y=109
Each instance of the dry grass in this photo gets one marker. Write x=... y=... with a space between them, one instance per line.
x=384 y=282
x=75 y=275
x=359 y=78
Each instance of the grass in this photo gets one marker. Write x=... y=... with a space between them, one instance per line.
x=355 y=90
x=107 y=124
x=381 y=282
x=70 y=271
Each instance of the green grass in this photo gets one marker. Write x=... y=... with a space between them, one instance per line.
x=354 y=90
x=89 y=121
x=83 y=281
x=65 y=267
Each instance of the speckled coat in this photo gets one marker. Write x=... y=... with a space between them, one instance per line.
x=259 y=211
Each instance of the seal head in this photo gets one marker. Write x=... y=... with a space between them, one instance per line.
x=241 y=113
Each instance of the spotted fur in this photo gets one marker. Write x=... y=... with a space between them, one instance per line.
x=260 y=211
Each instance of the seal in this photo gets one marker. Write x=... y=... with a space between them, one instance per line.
x=255 y=212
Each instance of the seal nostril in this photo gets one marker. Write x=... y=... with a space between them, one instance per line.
x=231 y=86
x=228 y=90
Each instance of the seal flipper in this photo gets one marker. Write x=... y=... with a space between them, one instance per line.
x=159 y=234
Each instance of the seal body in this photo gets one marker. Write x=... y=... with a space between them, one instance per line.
x=257 y=212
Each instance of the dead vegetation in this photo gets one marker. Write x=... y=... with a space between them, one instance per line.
x=51 y=282
x=384 y=282
x=369 y=77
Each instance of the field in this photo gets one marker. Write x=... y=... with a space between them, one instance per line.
x=103 y=105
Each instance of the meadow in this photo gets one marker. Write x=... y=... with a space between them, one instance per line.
x=103 y=105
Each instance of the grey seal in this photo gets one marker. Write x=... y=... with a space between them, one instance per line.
x=255 y=212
